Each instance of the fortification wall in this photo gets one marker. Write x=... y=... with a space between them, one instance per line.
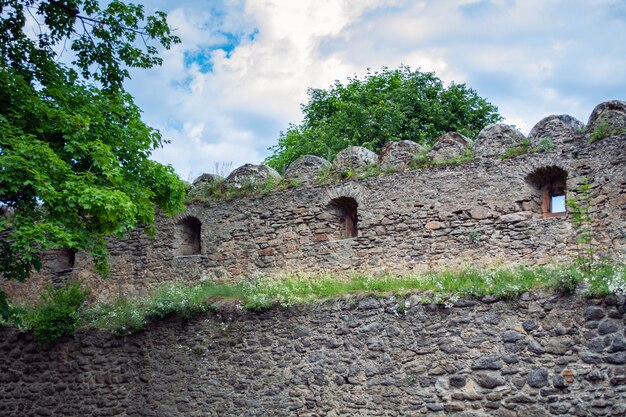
x=525 y=357
x=496 y=210
x=487 y=212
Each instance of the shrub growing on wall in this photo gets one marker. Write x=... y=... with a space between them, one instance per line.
x=384 y=106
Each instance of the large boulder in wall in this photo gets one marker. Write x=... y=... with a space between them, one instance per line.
x=399 y=154
x=353 y=157
x=306 y=168
x=449 y=145
x=560 y=128
x=495 y=139
x=610 y=115
x=251 y=174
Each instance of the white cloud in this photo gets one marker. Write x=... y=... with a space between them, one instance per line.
x=531 y=58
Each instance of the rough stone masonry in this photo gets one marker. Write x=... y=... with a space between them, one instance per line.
x=535 y=355
x=490 y=211
x=532 y=356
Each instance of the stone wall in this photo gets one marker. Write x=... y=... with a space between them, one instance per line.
x=482 y=213
x=532 y=356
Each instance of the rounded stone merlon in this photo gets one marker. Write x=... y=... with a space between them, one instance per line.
x=202 y=185
x=495 y=139
x=250 y=173
x=399 y=154
x=353 y=157
x=559 y=128
x=610 y=113
x=449 y=145
x=306 y=168
x=207 y=179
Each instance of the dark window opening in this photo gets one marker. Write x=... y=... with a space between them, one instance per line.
x=189 y=236
x=550 y=182
x=62 y=260
x=346 y=210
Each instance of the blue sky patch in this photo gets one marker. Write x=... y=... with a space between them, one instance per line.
x=201 y=57
x=183 y=83
x=225 y=41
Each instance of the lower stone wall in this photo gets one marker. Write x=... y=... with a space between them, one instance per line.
x=533 y=356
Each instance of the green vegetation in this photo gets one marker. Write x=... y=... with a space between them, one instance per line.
x=579 y=205
x=56 y=316
x=126 y=316
x=474 y=236
x=390 y=105
x=218 y=190
x=422 y=160
x=74 y=152
x=545 y=144
x=521 y=148
x=603 y=130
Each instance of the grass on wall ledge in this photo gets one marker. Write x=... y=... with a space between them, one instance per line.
x=63 y=310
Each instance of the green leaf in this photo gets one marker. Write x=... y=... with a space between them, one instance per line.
x=389 y=105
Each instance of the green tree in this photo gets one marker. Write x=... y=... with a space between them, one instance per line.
x=74 y=152
x=385 y=106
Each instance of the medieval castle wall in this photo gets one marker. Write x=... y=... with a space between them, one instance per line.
x=535 y=355
x=487 y=212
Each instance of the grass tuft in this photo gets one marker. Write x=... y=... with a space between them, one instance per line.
x=522 y=148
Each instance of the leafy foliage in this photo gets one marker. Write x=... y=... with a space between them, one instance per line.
x=579 y=206
x=603 y=130
x=384 y=106
x=566 y=280
x=62 y=312
x=57 y=315
x=545 y=144
x=73 y=148
x=121 y=317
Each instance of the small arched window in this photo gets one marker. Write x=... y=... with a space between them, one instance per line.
x=62 y=260
x=345 y=208
x=550 y=184
x=189 y=242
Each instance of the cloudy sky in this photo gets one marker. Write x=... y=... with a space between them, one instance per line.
x=244 y=66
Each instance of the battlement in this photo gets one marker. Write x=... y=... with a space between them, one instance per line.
x=495 y=200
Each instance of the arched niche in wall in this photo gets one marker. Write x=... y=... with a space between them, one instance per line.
x=61 y=260
x=346 y=210
x=549 y=185
x=188 y=237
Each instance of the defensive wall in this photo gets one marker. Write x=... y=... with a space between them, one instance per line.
x=532 y=356
x=535 y=355
x=487 y=211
